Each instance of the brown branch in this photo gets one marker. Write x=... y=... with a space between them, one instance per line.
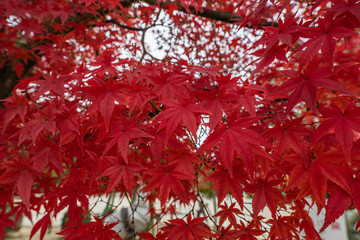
x=223 y=16
x=227 y=17
x=125 y=26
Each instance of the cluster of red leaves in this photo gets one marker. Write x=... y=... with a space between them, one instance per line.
x=105 y=123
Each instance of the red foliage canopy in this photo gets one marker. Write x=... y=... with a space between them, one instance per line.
x=173 y=101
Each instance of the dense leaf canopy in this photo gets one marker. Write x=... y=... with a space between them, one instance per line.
x=172 y=102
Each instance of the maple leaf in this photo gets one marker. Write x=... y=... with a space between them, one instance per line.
x=289 y=134
x=213 y=70
x=192 y=229
x=158 y=142
x=138 y=95
x=17 y=105
x=240 y=232
x=64 y=13
x=244 y=96
x=182 y=110
x=235 y=136
x=322 y=168
x=121 y=172
x=265 y=193
x=42 y=224
x=69 y=196
x=284 y=33
x=168 y=84
x=104 y=94
x=47 y=152
x=268 y=56
x=69 y=124
x=5 y=222
x=341 y=6
x=184 y=161
x=30 y=26
x=338 y=202
x=121 y=135
x=147 y=236
x=307 y=225
x=227 y=233
x=283 y=227
x=227 y=213
x=74 y=228
x=106 y=63
x=22 y=173
x=166 y=180
x=343 y=123
x=43 y=119
x=102 y=231
x=54 y=83
x=304 y=82
x=249 y=232
x=223 y=183
x=323 y=37
x=215 y=101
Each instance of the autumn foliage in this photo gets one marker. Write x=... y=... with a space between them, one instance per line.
x=174 y=102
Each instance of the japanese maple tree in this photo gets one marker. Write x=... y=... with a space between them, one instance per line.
x=172 y=102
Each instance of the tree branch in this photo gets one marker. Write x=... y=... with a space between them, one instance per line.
x=208 y=13
x=223 y=16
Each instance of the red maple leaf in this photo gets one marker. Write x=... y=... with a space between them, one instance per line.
x=314 y=177
x=343 y=123
x=16 y=105
x=181 y=110
x=323 y=37
x=121 y=135
x=223 y=183
x=106 y=63
x=168 y=84
x=101 y=231
x=250 y=231
x=43 y=120
x=283 y=227
x=235 y=136
x=47 y=152
x=265 y=193
x=289 y=134
x=338 y=202
x=304 y=83
x=285 y=32
x=70 y=195
x=214 y=100
x=30 y=26
x=5 y=223
x=103 y=95
x=266 y=57
x=42 y=224
x=192 y=229
x=227 y=213
x=121 y=172
x=22 y=173
x=166 y=180
x=343 y=6
x=244 y=97
x=52 y=82
x=184 y=161
x=227 y=233
x=138 y=95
